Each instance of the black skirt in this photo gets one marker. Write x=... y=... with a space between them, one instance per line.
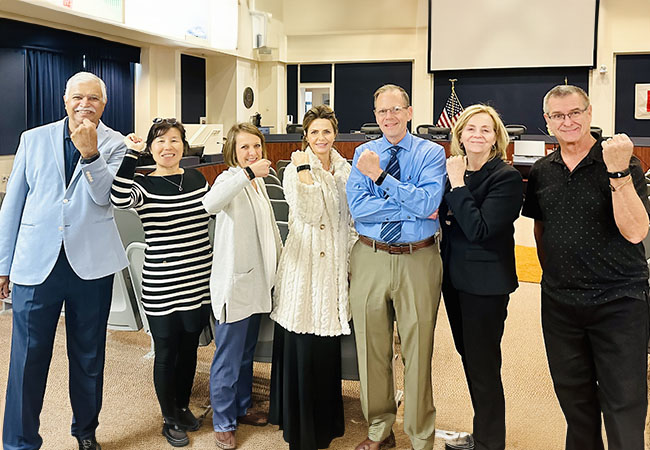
x=306 y=399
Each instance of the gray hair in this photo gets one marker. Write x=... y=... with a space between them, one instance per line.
x=564 y=90
x=83 y=77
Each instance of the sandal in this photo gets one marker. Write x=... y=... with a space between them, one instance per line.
x=225 y=439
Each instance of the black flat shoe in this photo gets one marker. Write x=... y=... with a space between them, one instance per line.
x=176 y=436
x=89 y=444
x=461 y=443
x=187 y=420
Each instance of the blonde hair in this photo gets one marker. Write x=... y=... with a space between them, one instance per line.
x=318 y=112
x=230 y=147
x=502 y=140
x=392 y=87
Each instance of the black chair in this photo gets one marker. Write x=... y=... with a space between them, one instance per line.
x=281 y=173
x=272 y=179
x=294 y=128
x=515 y=131
x=280 y=210
x=275 y=192
x=596 y=132
x=370 y=128
x=437 y=132
x=423 y=129
x=284 y=230
x=282 y=163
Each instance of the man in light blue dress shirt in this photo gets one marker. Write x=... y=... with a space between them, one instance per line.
x=396 y=185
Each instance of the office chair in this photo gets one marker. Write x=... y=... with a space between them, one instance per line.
x=272 y=179
x=370 y=128
x=280 y=210
x=515 y=131
x=272 y=171
x=124 y=314
x=284 y=230
x=438 y=132
x=275 y=192
x=423 y=129
x=281 y=163
x=596 y=132
x=294 y=128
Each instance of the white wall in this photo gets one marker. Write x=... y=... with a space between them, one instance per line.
x=624 y=27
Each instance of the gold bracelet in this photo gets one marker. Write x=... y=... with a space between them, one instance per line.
x=614 y=189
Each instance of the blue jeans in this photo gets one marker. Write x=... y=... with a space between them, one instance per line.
x=231 y=373
x=36 y=312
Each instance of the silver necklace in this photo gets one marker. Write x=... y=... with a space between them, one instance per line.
x=179 y=186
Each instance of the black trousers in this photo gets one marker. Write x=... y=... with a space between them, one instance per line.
x=477 y=323
x=174 y=365
x=598 y=362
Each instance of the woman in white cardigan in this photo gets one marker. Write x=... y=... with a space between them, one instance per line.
x=247 y=247
x=311 y=298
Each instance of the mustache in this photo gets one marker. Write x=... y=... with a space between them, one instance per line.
x=86 y=109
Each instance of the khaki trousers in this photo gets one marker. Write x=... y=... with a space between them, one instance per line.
x=403 y=288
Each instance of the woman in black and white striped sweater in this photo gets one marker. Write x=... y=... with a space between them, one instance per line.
x=178 y=258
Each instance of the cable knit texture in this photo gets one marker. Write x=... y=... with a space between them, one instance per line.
x=311 y=291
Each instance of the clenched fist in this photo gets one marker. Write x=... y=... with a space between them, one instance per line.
x=84 y=137
x=368 y=164
x=456 y=167
x=261 y=168
x=617 y=152
x=299 y=158
x=133 y=142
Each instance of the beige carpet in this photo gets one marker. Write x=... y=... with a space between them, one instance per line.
x=130 y=417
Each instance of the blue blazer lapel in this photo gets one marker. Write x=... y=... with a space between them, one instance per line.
x=56 y=135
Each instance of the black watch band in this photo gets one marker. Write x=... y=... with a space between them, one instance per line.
x=622 y=174
x=90 y=159
x=381 y=178
x=249 y=172
x=303 y=167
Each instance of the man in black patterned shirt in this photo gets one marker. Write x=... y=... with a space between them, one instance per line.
x=590 y=204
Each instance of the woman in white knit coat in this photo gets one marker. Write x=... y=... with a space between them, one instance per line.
x=310 y=305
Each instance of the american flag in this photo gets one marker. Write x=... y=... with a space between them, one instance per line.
x=450 y=112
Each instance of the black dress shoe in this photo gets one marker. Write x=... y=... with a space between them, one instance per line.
x=176 y=436
x=89 y=444
x=187 y=420
x=461 y=443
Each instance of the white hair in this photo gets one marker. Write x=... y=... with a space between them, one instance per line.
x=83 y=77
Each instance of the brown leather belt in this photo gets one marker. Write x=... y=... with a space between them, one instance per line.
x=399 y=249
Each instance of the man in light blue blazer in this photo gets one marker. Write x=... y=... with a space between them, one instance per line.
x=59 y=243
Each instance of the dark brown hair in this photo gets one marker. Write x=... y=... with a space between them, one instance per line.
x=318 y=112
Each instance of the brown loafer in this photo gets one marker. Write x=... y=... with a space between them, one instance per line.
x=225 y=439
x=369 y=444
x=254 y=418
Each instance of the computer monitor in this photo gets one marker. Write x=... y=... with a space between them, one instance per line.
x=530 y=148
x=209 y=136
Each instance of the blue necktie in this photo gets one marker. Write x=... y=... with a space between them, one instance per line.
x=391 y=231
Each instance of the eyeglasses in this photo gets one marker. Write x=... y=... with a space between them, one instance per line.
x=395 y=110
x=559 y=117
x=170 y=121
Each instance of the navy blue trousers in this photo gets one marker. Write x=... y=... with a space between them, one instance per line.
x=36 y=312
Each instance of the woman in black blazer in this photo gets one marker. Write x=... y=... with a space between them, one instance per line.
x=482 y=200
